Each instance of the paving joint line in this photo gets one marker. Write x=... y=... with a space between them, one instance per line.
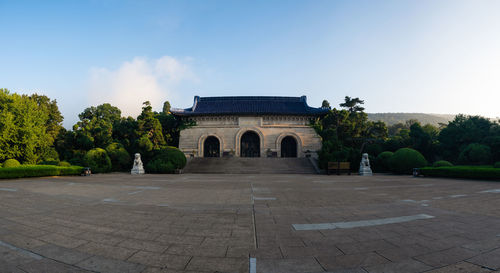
x=256 y=245
x=40 y=257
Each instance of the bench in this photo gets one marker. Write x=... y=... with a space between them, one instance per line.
x=338 y=167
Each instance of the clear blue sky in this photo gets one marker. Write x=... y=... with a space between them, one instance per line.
x=399 y=56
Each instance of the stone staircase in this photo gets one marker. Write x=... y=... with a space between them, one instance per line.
x=248 y=165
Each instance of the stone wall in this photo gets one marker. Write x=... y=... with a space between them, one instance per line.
x=271 y=130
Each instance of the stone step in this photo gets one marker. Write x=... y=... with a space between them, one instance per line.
x=260 y=165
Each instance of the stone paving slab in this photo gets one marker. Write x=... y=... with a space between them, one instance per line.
x=215 y=223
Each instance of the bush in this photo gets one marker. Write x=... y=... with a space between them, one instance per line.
x=64 y=164
x=38 y=170
x=159 y=166
x=10 y=163
x=381 y=163
x=49 y=154
x=166 y=161
x=98 y=160
x=475 y=154
x=469 y=172
x=405 y=159
x=496 y=165
x=120 y=159
x=49 y=162
x=442 y=163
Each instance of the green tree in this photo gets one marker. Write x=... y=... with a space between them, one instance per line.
x=344 y=133
x=166 y=108
x=326 y=104
x=23 y=134
x=353 y=105
x=421 y=141
x=462 y=131
x=54 y=122
x=150 y=126
x=125 y=131
x=97 y=124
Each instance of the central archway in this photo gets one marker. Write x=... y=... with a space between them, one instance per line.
x=289 y=147
x=250 y=145
x=211 y=147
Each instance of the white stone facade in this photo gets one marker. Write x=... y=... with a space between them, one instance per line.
x=228 y=129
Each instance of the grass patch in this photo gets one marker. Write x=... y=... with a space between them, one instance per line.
x=38 y=170
x=469 y=172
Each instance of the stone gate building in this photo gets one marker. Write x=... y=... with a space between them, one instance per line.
x=250 y=127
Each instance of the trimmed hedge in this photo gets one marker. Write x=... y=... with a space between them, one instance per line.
x=405 y=159
x=442 y=163
x=38 y=170
x=10 y=163
x=469 y=172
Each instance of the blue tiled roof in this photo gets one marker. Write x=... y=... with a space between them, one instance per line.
x=247 y=105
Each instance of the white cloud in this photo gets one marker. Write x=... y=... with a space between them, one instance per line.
x=137 y=81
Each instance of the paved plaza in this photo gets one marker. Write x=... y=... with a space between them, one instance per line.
x=249 y=223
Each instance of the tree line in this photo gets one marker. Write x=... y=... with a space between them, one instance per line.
x=31 y=132
x=347 y=132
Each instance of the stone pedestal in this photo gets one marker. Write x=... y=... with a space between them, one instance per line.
x=364 y=166
x=137 y=168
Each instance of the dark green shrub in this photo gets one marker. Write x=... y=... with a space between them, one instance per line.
x=442 y=163
x=469 y=172
x=173 y=155
x=159 y=166
x=475 y=154
x=49 y=154
x=64 y=164
x=76 y=162
x=405 y=159
x=49 y=162
x=10 y=163
x=496 y=165
x=120 y=159
x=38 y=170
x=98 y=160
x=381 y=163
x=166 y=161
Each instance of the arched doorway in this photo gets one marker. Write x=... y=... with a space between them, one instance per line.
x=289 y=147
x=211 y=147
x=250 y=145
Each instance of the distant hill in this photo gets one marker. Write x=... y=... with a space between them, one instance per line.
x=393 y=118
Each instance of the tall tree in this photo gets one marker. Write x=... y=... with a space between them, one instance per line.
x=166 y=107
x=353 y=105
x=97 y=124
x=462 y=131
x=55 y=119
x=326 y=104
x=22 y=128
x=149 y=126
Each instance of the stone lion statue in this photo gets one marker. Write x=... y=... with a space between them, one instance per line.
x=364 y=165
x=137 y=168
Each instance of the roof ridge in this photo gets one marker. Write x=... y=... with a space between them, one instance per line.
x=250 y=98
x=280 y=105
